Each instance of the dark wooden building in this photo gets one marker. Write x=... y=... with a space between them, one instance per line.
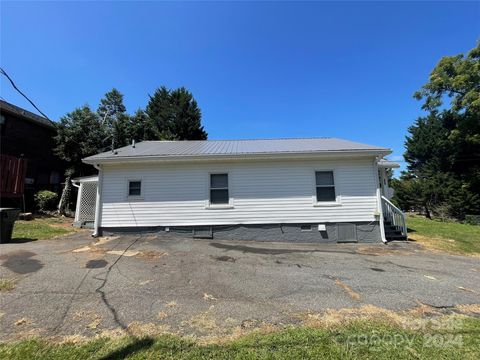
x=29 y=136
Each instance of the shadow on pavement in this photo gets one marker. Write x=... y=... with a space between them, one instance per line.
x=130 y=349
x=21 y=262
x=22 y=240
x=273 y=251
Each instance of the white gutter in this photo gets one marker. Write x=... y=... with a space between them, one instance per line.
x=388 y=164
x=79 y=196
x=98 y=205
x=240 y=157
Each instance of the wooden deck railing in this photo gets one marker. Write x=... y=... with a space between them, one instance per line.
x=12 y=176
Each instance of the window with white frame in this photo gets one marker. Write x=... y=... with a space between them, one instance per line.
x=325 y=186
x=134 y=188
x=219 y=189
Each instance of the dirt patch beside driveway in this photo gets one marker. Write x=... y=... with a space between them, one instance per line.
x=215 y=288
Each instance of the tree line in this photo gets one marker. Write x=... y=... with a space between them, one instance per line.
x=443 y=147
x=169 y=115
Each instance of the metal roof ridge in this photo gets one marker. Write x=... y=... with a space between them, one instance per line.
x=258 y=139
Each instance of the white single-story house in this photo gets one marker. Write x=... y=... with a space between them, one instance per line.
x=303 y=190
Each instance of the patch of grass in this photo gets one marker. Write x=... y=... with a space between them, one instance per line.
x=445 y=235
x=363 y=339
x=7 y=284
x=41 y=228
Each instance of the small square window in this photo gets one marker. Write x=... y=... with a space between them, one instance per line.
x=134 y=188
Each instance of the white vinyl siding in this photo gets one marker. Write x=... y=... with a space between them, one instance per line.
x=261 y=192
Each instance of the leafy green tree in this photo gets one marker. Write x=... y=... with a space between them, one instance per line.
x=457 y=78
x=80 y=133
x=174 y=114
x=443 y=148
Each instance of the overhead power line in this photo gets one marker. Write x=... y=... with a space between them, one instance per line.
x=3 y=72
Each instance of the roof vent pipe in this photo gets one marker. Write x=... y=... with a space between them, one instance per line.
x=133 y=143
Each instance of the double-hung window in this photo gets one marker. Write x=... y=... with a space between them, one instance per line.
x=134 y=188
x=219 y=189
x=325 y=186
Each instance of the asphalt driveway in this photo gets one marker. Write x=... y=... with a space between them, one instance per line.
x=77 y=286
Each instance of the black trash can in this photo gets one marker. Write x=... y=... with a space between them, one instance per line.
x=7 y=220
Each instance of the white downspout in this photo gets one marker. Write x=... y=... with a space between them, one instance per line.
x=79 y=199
x=379 y=201
x=98 y=205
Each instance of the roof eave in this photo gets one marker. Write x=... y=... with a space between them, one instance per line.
x=26 y=115
x=291 y=155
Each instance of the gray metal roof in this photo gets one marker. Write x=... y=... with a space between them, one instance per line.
x=207 y=148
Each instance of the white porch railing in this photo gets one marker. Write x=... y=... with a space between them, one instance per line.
x=394 y=216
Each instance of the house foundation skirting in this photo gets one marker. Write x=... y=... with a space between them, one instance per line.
x=362 y=232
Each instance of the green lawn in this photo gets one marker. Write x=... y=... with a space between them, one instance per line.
x=41 y=228
x=445 y=235
x=362 y=339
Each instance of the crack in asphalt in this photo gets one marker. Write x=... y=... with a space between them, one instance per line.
x=246 y=287
x=69 y=305
x=102 y=293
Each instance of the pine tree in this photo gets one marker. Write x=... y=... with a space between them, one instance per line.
x=174 y=115
x=139 y=127
x=111 y=105
x=112 y=113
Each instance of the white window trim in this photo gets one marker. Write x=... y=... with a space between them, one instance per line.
x=127 y=186
x=338 y=198
x=210 y=206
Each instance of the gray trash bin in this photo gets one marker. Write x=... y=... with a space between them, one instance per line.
x=7 y=220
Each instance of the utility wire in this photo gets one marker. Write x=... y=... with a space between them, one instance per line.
x=3 y=72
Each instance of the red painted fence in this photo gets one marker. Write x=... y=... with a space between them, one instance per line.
x=12 y=176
